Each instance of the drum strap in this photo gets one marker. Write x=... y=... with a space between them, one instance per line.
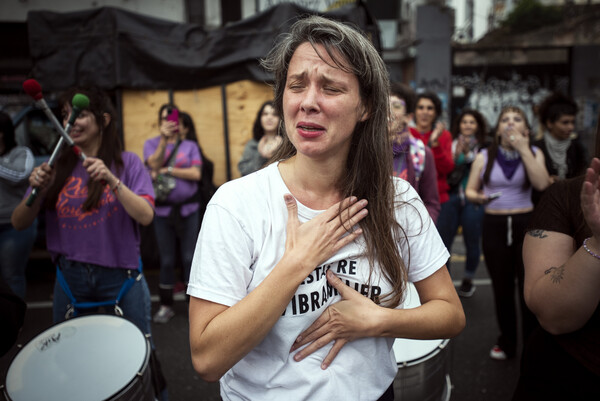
x=75 y=306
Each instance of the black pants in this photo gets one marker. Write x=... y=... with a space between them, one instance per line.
x=502 y=243
x=388 y=395
x=549 y=373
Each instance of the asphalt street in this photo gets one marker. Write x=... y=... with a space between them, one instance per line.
x=464 y=360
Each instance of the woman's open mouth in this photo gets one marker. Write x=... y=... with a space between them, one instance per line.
x=307 y=130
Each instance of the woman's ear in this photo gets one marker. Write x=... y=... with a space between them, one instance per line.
x=107 y=119
x=366 y=113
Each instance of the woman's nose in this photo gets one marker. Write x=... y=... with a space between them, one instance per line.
x=310 y=100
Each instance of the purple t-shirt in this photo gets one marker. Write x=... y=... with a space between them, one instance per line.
x=188 y=155
x=516 y=191
x=106 y=236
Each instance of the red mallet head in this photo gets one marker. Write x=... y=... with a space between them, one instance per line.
x=33 y=88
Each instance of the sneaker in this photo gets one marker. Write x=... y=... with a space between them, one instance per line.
x=466 y=288
x=164 y=314
x=497 y=353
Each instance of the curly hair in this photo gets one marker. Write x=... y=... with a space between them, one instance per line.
x=481 y=134
x=555 y=106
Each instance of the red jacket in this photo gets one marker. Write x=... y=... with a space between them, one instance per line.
x=442 y=154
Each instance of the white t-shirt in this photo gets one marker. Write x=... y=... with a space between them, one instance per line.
x=242 y=239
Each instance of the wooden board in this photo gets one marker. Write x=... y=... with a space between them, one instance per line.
x=244 y=98
x=140 y=119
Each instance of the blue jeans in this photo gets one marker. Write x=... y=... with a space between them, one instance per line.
x=455 y=212
x=168 y=230
x=15 y=247
x=93 y=283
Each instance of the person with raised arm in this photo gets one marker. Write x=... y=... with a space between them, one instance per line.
x=501 y=179
x=172 y=157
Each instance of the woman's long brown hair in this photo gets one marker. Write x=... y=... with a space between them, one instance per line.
x=110 y=147
x=369 y=162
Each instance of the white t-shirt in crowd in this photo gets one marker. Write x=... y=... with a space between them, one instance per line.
x=242 y=239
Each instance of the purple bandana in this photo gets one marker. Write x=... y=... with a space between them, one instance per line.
x=508 y=161
x=399 y=148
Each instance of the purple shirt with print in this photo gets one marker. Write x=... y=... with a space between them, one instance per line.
x=188 y=155
x=106 y=236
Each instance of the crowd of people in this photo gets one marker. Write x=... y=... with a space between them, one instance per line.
x=349 y=181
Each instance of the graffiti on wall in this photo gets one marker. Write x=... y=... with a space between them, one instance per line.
x=489 y=95
x=433 y=85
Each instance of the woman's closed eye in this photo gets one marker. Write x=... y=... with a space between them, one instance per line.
x=332 y=89
x=295 y=86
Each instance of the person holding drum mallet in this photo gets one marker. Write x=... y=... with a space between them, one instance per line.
x=92 y=210
x=300 y=266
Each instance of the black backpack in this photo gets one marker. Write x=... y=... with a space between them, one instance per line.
x=206 y=187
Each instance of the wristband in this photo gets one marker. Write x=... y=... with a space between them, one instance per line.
x=594 y=254
x=170 y=170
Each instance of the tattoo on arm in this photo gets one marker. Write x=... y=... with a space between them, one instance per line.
x=537 y=233
x=556 y=274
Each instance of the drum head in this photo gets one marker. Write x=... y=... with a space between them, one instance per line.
x=410 y=351
x=86 y=358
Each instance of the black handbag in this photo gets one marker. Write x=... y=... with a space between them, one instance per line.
x=456 y=176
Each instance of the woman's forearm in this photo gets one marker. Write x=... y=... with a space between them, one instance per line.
x=185 y=173
x=232 y=333
x=136 y=207
x=156 y=160
x=564 y=295
x=474 y=182
x=23 y=216
x=473 y=196
x=433 y=320
x=536 y=170
x=440 y=314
